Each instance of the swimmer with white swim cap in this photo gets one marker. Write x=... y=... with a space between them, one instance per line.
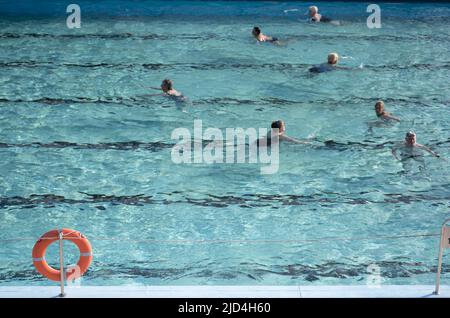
x=410 y=149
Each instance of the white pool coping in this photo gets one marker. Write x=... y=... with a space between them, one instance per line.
x=359 y=291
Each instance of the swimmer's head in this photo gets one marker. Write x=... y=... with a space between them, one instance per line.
x=256 y=31
x=313 y=10
x=167 y=85
x=333 y=58
x=410 y=138
x=379 y=108
x=279 y=124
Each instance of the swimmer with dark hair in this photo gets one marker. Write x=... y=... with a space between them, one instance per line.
x=410 y=149
x=331 y=65
x=260 y=37
x=278 y=128
x=167 y=88
x=382 y=113
x=169 y=91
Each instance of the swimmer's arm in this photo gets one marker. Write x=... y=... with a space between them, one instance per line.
x=339 y=67
x=428 y=150
x=155 y=88
x=392 y=117
x=394 y=152
x=293 y=140
x=161 y=94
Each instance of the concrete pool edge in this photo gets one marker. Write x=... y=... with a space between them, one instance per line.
x=355 y=291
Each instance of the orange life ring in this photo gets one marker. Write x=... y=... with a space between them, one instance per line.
x=48 y=238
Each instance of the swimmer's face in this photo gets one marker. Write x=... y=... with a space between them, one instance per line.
x=165 y=87
x=379 y=108
x=410 y=139
x=333 y=58
x=312 y=11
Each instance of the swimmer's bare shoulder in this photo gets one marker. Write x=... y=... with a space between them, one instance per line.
x=427 y=149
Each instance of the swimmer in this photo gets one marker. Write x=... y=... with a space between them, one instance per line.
x=410 y=149
x=167 y=88
x=382 y=113
x=315 y=16
x=278 y=129
x=260 y=37
x=333 y=59
x=169 y=91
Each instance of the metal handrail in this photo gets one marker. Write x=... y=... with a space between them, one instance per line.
x=445 y=233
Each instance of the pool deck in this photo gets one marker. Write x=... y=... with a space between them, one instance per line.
x=358 y=291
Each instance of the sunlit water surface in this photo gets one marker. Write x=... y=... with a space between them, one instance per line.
x=83 y=146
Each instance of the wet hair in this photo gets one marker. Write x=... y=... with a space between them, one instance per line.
x=256 y=30
x=410 y=134
x=168 y=83
x=333 y=56
x=277 y=124
x=381 y=104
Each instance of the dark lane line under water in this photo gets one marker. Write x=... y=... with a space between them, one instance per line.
x=217 y=66
x=141 y=101
x=177 y=36
x=257 y=272
x=222 y=201
x=161 y=145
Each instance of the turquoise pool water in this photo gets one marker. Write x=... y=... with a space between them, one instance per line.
x=83 y=147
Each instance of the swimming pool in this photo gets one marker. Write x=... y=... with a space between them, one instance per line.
x=82 y=146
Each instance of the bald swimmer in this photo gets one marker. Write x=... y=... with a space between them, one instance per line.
x=410 y=149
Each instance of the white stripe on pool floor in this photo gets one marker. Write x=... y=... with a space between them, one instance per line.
x=359 y=291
